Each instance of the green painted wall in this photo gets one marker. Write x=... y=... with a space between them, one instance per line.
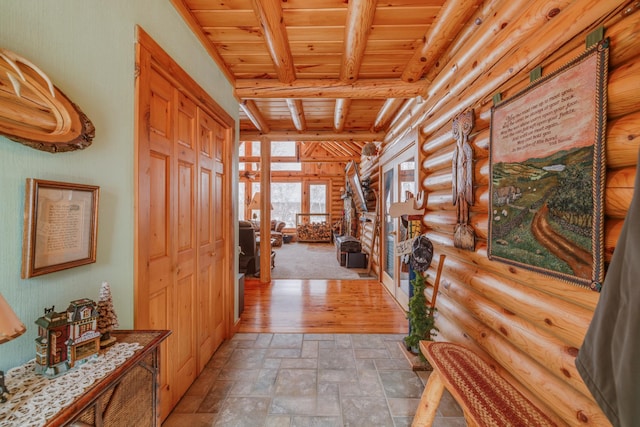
x=87 y=47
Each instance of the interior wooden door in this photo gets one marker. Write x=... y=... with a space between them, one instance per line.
x=185 y=196
x=154 y=236
x=389 y=231
x=211 y=327
x=222 y=226
x=399 y=177
x=184 y=236
x=170 y=230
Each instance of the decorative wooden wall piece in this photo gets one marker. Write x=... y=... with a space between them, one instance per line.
x=35 y=113
x=462 y=184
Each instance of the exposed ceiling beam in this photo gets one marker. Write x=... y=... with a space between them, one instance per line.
x=340 y=113
x=329 y=159
x=312 y=136
x=251 y=110
x=297 y=114
x=354 y=146
x=339 y=148
x=307 y=158
x=308 y=148
x=452 y=17
x=269 y=14
x=356 y=32
x=387 y=113
x=332 y=89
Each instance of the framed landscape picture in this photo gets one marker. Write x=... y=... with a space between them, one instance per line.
x=547 y=173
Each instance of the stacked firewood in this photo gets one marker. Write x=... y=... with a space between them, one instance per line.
x=314 y=232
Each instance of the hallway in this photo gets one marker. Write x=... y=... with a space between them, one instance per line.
x=311 y=353
x=307 y=380
x=321 y=306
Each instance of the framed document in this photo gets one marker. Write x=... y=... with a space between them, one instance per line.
x=60 y=226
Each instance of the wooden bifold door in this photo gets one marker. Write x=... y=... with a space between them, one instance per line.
x=183 y=265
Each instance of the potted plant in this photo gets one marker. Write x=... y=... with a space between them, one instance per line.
x=421 y=316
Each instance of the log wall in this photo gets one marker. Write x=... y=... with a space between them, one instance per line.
x=530 y=326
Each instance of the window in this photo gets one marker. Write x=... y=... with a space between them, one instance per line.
x=255 y=148
x=285 y=149
x=241 y=150
x=286 y=199
x=407 y=178
x=255 y=213
x=286 y=166
x=242 y=202
x=318 y=198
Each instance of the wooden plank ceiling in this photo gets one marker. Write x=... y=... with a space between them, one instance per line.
x=325 y=70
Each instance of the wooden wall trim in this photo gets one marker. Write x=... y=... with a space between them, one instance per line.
x=174 y=73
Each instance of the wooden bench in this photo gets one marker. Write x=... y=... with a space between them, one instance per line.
x=486 y=398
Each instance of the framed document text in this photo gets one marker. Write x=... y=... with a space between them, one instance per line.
x=60 y=226
x=547 y=173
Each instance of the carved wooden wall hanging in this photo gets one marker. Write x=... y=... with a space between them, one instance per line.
x=35 y=113
x=462 y=184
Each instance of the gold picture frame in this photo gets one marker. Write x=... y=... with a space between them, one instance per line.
x=60 y=226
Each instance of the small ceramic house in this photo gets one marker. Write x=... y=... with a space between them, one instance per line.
x=84 y=338
x=67 y=338
x=51 y=345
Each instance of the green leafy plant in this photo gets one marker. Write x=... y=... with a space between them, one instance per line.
x=420 y=315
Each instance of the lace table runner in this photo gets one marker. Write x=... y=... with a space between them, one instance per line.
x=35 y=398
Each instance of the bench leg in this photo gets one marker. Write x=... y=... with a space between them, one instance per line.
x=429 y=401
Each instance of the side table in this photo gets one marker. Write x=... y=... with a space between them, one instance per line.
x=128 y=396
x=111 y=393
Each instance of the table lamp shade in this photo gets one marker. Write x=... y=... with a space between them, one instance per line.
x=255 y=203
x=10 y=326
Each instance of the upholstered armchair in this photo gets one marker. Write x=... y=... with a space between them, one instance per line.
x=276 y=231
x=249 y=258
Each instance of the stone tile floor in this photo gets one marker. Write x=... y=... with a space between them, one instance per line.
x=303 y=380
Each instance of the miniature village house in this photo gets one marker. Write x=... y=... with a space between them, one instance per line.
x=51 y=344
x=68 y=338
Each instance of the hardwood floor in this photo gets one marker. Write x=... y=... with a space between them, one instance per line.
x=320 y=306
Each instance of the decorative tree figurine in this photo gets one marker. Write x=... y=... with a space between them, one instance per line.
x=420 y=316
x=108 y=319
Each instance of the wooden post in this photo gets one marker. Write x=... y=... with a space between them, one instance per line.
x=265 y=210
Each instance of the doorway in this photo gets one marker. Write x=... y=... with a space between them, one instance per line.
x=398 y=177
